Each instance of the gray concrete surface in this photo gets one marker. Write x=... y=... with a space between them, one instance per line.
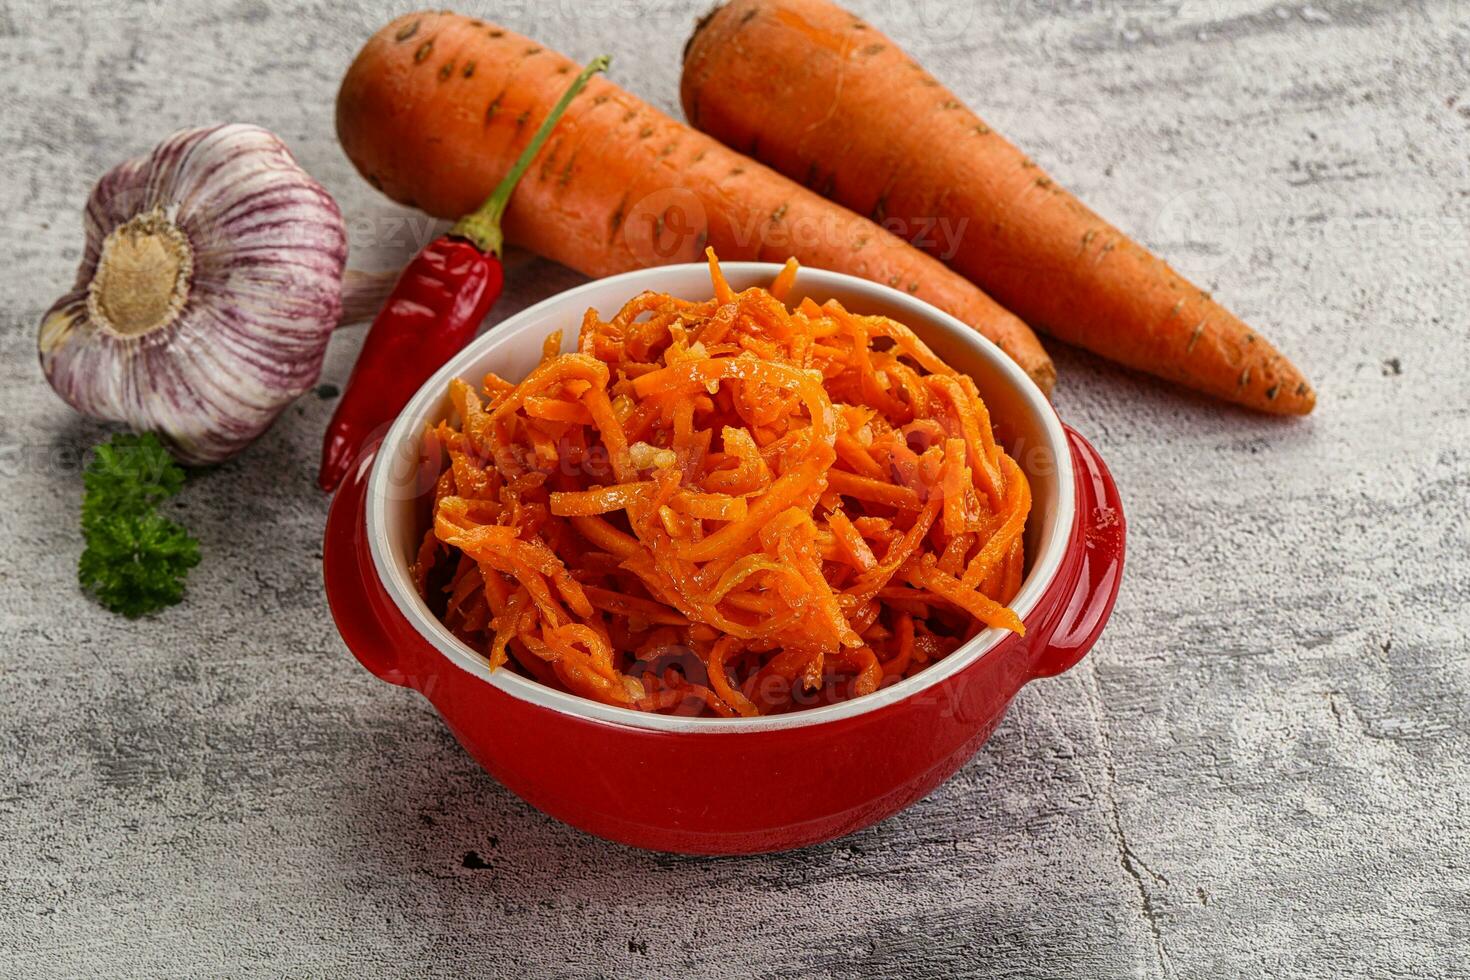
x=1261 y=770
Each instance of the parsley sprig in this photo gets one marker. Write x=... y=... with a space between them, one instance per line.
x=136 y=559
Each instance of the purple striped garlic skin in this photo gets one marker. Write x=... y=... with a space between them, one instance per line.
x=210 y=284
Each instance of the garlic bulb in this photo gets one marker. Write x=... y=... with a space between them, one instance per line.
x=211 y=282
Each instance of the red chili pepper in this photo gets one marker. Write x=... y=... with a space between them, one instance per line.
x=434 y=310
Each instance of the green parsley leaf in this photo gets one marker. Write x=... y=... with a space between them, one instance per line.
x=128 y=475
x=136 y=559
x=136 y=563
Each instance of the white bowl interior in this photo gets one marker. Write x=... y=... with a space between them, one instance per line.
x=1025 y=423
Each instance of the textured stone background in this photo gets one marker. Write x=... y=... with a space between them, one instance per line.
x=1262 y=769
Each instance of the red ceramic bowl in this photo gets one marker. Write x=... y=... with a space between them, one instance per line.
x=729 y=786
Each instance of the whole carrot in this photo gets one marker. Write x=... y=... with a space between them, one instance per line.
x=823 y=97
x=437 y=105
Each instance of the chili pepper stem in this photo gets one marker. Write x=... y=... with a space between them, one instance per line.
x=482 y=227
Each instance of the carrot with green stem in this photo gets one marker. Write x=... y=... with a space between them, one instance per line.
x=436 y=107
x=821 y=96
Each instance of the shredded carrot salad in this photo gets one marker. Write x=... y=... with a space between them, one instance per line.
x=727 y=507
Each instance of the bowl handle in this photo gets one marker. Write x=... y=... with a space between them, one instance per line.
x=353 y=593
x=1094 y=570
